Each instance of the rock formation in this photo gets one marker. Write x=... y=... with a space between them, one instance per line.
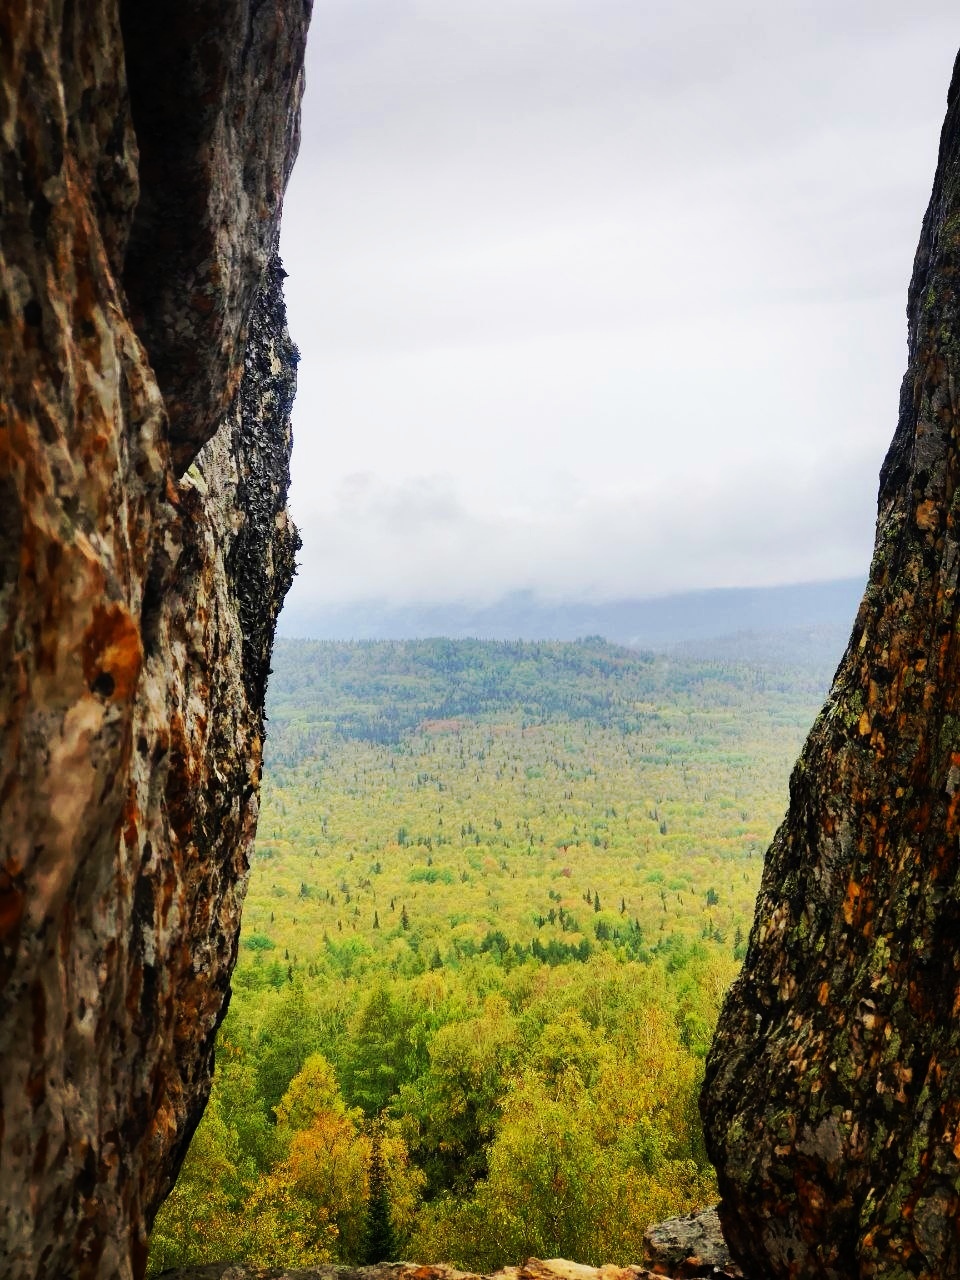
x=532 y=1269
x=832 y=1097
x=146 y=378
x=688 y=1248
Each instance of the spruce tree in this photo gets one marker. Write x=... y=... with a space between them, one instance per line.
x=379 y=1243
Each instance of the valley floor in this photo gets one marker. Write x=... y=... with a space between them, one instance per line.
x=498 y=893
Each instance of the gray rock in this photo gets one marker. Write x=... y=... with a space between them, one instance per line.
x=689 y=1246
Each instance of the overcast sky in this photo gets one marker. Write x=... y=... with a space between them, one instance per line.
x=602 y=297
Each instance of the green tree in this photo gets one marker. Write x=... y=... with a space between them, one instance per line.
x=452 y=1111
x=547 y=1186
x=384 y=1050
x=379 y=1242
x=237 y=1094
x=290 y=1033
x=569 y=1047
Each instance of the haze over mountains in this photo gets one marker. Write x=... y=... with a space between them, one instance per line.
x=793 y=622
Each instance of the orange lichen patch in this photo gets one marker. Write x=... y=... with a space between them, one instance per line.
x=132 y=817
x=112 y=652
x=927 y=515
x=851 y=901
x=823 y=994
x=812 y=1198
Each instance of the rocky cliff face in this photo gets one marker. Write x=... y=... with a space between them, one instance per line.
x=146 y=378
x=832 y=1098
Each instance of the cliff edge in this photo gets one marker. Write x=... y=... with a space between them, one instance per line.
x=146 y=378
x=832 y=1098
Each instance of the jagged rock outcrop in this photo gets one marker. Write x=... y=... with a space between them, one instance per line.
x=146 y=378
x=832 y=1097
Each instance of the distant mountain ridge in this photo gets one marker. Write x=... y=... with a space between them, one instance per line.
x=380 y=690
x=820 y=611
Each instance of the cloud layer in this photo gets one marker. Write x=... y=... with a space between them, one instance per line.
x=602 y=297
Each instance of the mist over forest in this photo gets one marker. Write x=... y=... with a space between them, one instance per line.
x=791 y=611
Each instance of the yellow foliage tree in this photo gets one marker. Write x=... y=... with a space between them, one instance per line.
x=196 y=1223
x=325 y=1169
x=281 y=1227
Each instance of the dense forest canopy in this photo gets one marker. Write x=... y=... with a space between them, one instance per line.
x=498 y=892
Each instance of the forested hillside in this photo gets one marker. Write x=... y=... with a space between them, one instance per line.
x=498 y=892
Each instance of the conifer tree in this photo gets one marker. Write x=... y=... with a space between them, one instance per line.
x=379 y=1245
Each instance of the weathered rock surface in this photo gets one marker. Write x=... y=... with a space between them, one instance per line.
x=832 y=1097
x=533 y=1269
x=144 y=554
x=215 y=87
x=681 y=1248
x=689 y=1246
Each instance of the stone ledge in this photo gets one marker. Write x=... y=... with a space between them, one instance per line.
x=682 y=1248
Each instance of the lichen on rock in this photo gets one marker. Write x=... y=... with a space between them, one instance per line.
x=831 y=1105
x=144 y=554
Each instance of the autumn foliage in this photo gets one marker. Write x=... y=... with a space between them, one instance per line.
x=491 y=919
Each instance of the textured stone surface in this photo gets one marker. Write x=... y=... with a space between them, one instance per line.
x=832 y=1096
x=214 y=91
x=681 y=1248
x=689 y=1246
x=532 y=1269
x=136 y=607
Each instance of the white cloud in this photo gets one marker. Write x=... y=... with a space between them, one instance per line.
x=419 y=540
x=602 y=294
